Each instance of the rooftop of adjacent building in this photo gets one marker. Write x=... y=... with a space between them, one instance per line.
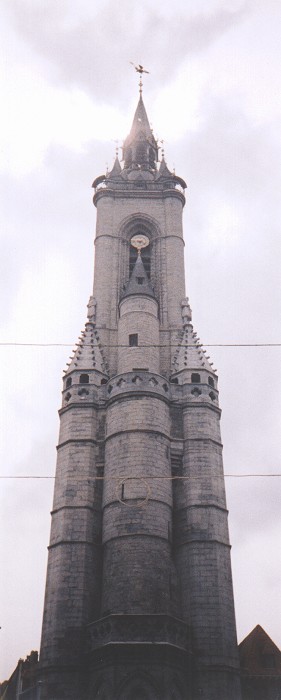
x=259 y=656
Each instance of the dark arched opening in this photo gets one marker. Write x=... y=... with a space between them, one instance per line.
x=84 y=379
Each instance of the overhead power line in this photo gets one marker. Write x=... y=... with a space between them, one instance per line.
x=172 y=345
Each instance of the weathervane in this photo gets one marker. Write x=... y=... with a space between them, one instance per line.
x=140 y=69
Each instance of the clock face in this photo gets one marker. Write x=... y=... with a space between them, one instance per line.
x=139 y=241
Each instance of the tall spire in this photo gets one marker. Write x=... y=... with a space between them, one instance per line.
x=140 y=126
x=140 y=148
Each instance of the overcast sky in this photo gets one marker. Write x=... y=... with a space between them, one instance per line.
x=214 y=96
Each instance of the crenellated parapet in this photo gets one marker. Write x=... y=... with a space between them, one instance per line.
x=138 y=383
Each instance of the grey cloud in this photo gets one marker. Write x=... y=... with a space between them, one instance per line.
x=94 y=54
x=229 y=162
x=56 y=210
x=254 y=507
x=24 y=505
x=234 y=288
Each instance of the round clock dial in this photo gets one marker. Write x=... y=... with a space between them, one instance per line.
x=139 y=241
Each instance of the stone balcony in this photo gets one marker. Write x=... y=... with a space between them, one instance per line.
x=139 y=629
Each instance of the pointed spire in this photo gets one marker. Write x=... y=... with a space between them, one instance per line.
x=138 y=282
x=164 y=170
x=140 y=147
x=140 y=123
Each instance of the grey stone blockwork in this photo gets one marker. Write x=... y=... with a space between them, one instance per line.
x=137 y=558
x=139 y=600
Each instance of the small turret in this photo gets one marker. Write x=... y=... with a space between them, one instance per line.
x=138 y=326
x=138 y=282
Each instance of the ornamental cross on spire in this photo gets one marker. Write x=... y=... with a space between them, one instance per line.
x=140 y=69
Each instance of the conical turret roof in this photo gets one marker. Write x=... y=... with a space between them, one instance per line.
x=88 y=353
x=190 y=353
x=164 y=170
x=138 y=282
x=116 y=170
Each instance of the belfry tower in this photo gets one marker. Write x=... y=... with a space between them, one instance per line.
x=139 y=599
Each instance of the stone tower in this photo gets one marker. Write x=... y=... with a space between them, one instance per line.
x=139 y=599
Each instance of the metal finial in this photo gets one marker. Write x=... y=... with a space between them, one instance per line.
x=140 y=69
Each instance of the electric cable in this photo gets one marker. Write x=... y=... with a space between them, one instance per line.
x=163 y=345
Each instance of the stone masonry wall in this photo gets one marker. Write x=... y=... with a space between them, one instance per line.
x=138 y=572
x=73 y=592
x=138 y=315
x=113 y=216
x=203 y=554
